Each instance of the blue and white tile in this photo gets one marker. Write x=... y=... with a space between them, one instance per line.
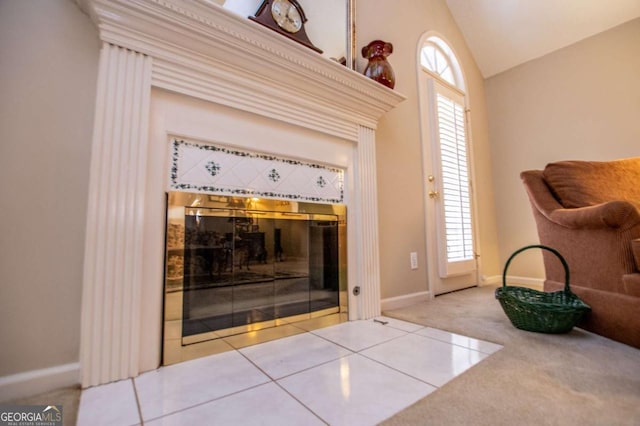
x=263 y=405
x=354 y=390
x=110 y=404
x=176 y=387
x=282 y=357
x=359 y=335
x=427 y=359
x=459 y=340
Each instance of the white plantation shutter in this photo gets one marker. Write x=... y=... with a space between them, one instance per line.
x=455 y=233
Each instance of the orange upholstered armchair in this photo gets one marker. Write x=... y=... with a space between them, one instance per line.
x=590 y=212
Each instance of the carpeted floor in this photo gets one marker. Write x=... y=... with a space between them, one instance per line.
x=69 y=398
x=577 y=378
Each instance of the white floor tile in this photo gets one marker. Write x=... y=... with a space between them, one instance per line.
x=359 y=335
x=290 y=355
x=176 y=387
x=457 y=339
x=354 y=391
x=110 y=404
x=263 y=405
x=409 y=327
x=427 y=359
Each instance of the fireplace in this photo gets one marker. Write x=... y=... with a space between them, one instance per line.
x=190 y=70
x=236 y=265
x=254 y=240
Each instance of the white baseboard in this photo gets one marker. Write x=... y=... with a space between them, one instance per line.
x=494 y=279
x=35 y=382
x=402 y=301
x=535 y=283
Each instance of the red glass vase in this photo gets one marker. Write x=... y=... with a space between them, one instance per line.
x=378 y=68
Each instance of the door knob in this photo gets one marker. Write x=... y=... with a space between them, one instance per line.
x=434 y=194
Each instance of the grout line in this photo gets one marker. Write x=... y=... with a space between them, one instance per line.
x=335 y=343
x=423 y=327
x=459 y=345
x=207 y=402
x=135 y=393
x=314 y=366
x=305 y=369
x=402 y=372
x=300 y=402
x=255 y=365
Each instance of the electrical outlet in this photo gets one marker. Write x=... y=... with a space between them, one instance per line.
x=413 y=256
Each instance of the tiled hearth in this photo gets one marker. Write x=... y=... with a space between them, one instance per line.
x=354 y=373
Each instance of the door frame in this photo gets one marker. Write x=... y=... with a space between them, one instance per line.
x=427 y=128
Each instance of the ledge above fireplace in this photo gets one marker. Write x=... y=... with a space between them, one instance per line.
x=254 y=68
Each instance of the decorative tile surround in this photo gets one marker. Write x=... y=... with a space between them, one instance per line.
x=199 y=167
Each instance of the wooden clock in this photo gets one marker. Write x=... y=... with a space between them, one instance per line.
x=285 y=17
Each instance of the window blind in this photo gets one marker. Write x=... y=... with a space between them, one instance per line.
x=455 y=190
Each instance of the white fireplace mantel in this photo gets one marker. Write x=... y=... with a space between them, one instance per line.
x=198 y=49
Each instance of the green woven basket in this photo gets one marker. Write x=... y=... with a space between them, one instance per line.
x=539 y=311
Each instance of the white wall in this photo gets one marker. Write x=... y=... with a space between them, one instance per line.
x=48 y=68
x=399 y=155
x=581 y=102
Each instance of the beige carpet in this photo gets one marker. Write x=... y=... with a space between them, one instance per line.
x=577 y=378
x=69 y=398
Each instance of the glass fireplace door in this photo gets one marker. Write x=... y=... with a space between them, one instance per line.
x=229 y=277
x=243 y=270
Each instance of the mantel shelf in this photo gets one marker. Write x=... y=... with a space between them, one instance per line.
x=201 y=41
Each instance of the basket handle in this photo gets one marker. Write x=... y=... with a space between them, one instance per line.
x=552 y=250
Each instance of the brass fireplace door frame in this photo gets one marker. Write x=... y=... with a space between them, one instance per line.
x=177 y=348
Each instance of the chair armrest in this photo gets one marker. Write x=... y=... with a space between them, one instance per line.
x=613 y=214
x=539 y=193
x=631 y=283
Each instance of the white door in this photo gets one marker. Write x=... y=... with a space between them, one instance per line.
x=451 y=255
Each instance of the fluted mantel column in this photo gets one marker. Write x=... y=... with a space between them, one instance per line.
x=113 y=247
x=366 y=204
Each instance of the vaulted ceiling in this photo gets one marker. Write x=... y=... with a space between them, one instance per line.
x=505 y=33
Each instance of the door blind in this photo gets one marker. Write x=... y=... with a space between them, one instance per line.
x=456 y=198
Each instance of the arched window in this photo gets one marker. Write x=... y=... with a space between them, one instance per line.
x=446 y=154
x=437 y=57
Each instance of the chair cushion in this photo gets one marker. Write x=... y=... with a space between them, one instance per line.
x=585 y=183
